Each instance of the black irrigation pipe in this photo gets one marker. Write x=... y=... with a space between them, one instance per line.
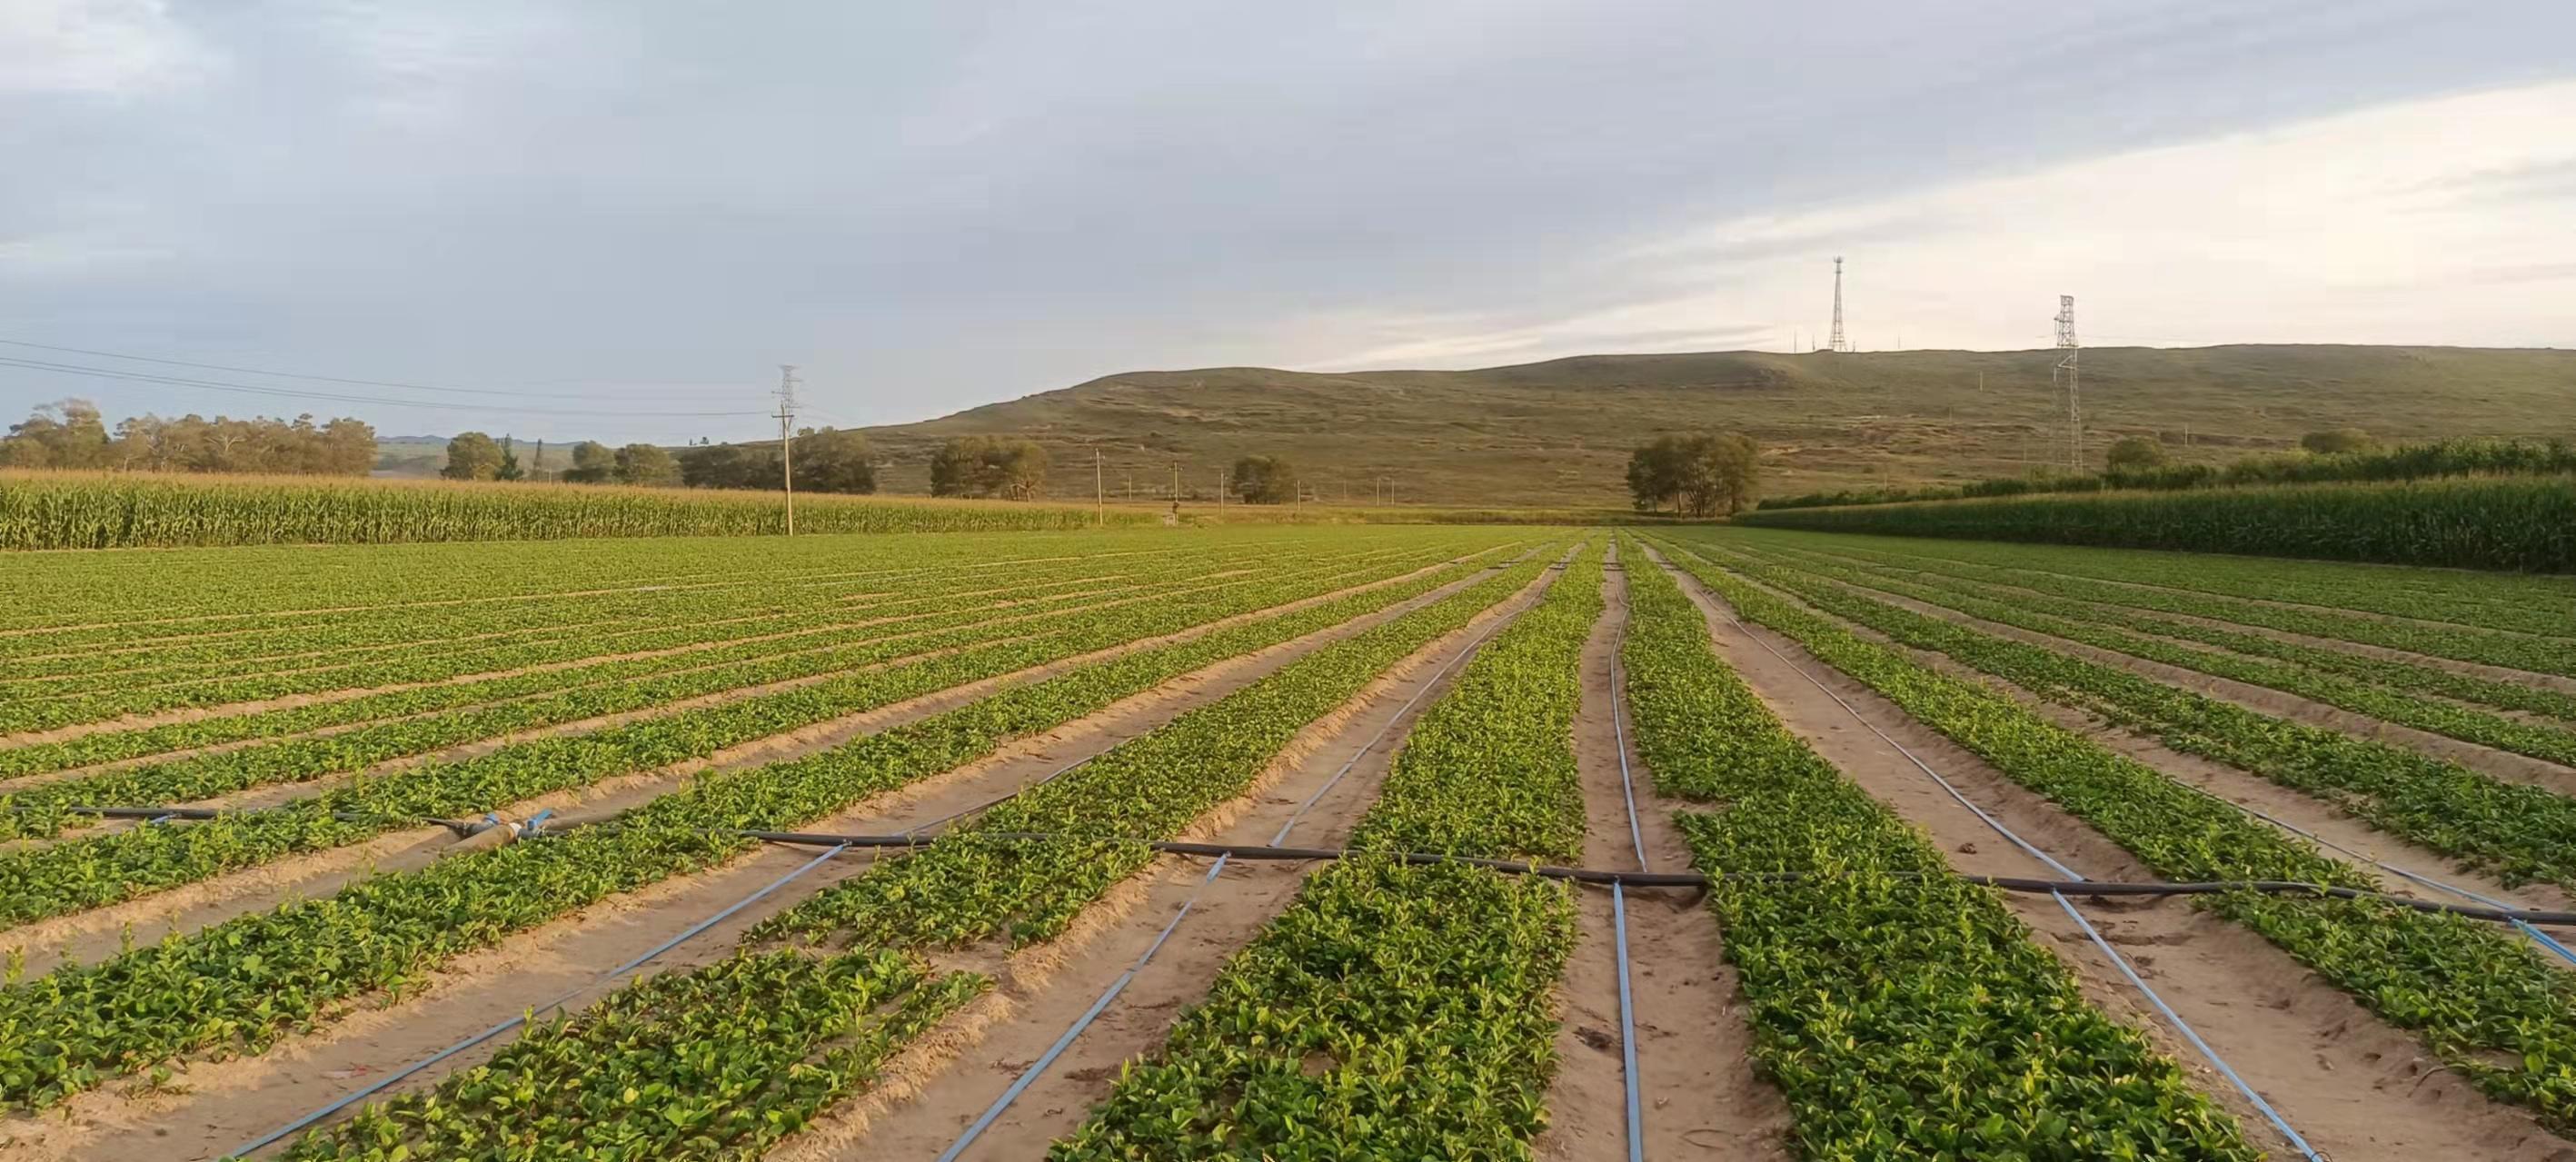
x=1514 y=867
x=1697 y=880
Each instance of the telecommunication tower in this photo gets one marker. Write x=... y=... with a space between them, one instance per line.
x=1837 y=342
x=2065 y=370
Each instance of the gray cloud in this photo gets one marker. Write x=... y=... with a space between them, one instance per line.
x=932 y=206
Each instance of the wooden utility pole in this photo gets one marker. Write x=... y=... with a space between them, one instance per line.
x=786 y=458
x=1099 y=493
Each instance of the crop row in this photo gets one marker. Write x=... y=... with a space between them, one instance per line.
x=1902 y=1012
x=963 y=889
x=113 y=599
x=682 y=644
x=2483 y=1003
x=109 y=599
x=2044 y=594
x=239 y=985
x=2075 y=622
x=2497 y=601
x=2519 y=832
x=1398 y=1011
x=680 y=650
x=91 y=871
x=624 y=687
x=684 y=624
x=350 y=640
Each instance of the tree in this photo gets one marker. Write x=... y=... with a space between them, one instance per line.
x=509 y=469
x=1264 y=480
x=2134 y=452
x=64 y=434
x=592 y=463
x=2338 y=440
x=832 y=460
x=472 y=456
x=646 y=465
x=1699 y=475
x=730 y=466
x=988 y=466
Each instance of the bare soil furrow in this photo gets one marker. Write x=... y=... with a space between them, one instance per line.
x=211 y=1107
x=1699 y=1093
x=933 y=1096
x=2356 y=1087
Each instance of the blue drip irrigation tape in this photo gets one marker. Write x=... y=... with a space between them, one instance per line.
x=2184 y=1027
x=1628 y=1029
x=387 y=1081
x=2175 y=1019
x=1393 y=720
x=1029 y=1076
x=1619 y=913
x=2535 y=935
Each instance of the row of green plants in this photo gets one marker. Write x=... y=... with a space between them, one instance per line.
x=2076 y=622
x=2515 y=831
x=626 y=687
x=690 y=644
x=2046 y=594
x=2520 y=602
x=2517 y=523
x=89 y=871
x=1902 y=1012
x=83 y=510
x=113 y=601
x=964 y=889
x=684 y=623
x=2485 y=1004
x=692 y=661
x=2424 y=461
x=719 y=1062
x=1398 y=1011
x=118 y=598
x=2341 y=613
x=236 y=987
x=350 y=637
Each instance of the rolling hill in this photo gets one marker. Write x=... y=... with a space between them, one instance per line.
x=1559 y=432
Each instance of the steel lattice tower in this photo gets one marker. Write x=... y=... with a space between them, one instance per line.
x=1836 y=342
x=2066 y=369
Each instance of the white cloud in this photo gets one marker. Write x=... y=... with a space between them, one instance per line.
x=95 y=47
x=2449 y=220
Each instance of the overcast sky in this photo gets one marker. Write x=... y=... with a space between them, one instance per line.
x=620 y=209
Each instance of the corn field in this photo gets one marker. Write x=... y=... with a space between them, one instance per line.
x=2526 y=523
x=83 y=510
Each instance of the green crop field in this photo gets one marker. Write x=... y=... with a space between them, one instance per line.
x=1344 y=841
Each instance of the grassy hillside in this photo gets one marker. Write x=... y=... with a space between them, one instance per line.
x=1559 y=432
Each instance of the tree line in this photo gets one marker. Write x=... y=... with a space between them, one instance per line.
x=825 y=460
x=72 y=433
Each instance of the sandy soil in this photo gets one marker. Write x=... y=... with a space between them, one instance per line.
x=2251 y=790
x=2504 y=765
x=932 y=1096
x=2356 y=1087
x=212 y=1106
x=1699 y=1094
x=2360 y=649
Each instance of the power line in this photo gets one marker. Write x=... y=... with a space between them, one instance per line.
x=294 y=374
x=291 y=393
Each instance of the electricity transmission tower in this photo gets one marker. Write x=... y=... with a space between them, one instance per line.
x=786 y=425
x=2066 y=370
x=1837 y=342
